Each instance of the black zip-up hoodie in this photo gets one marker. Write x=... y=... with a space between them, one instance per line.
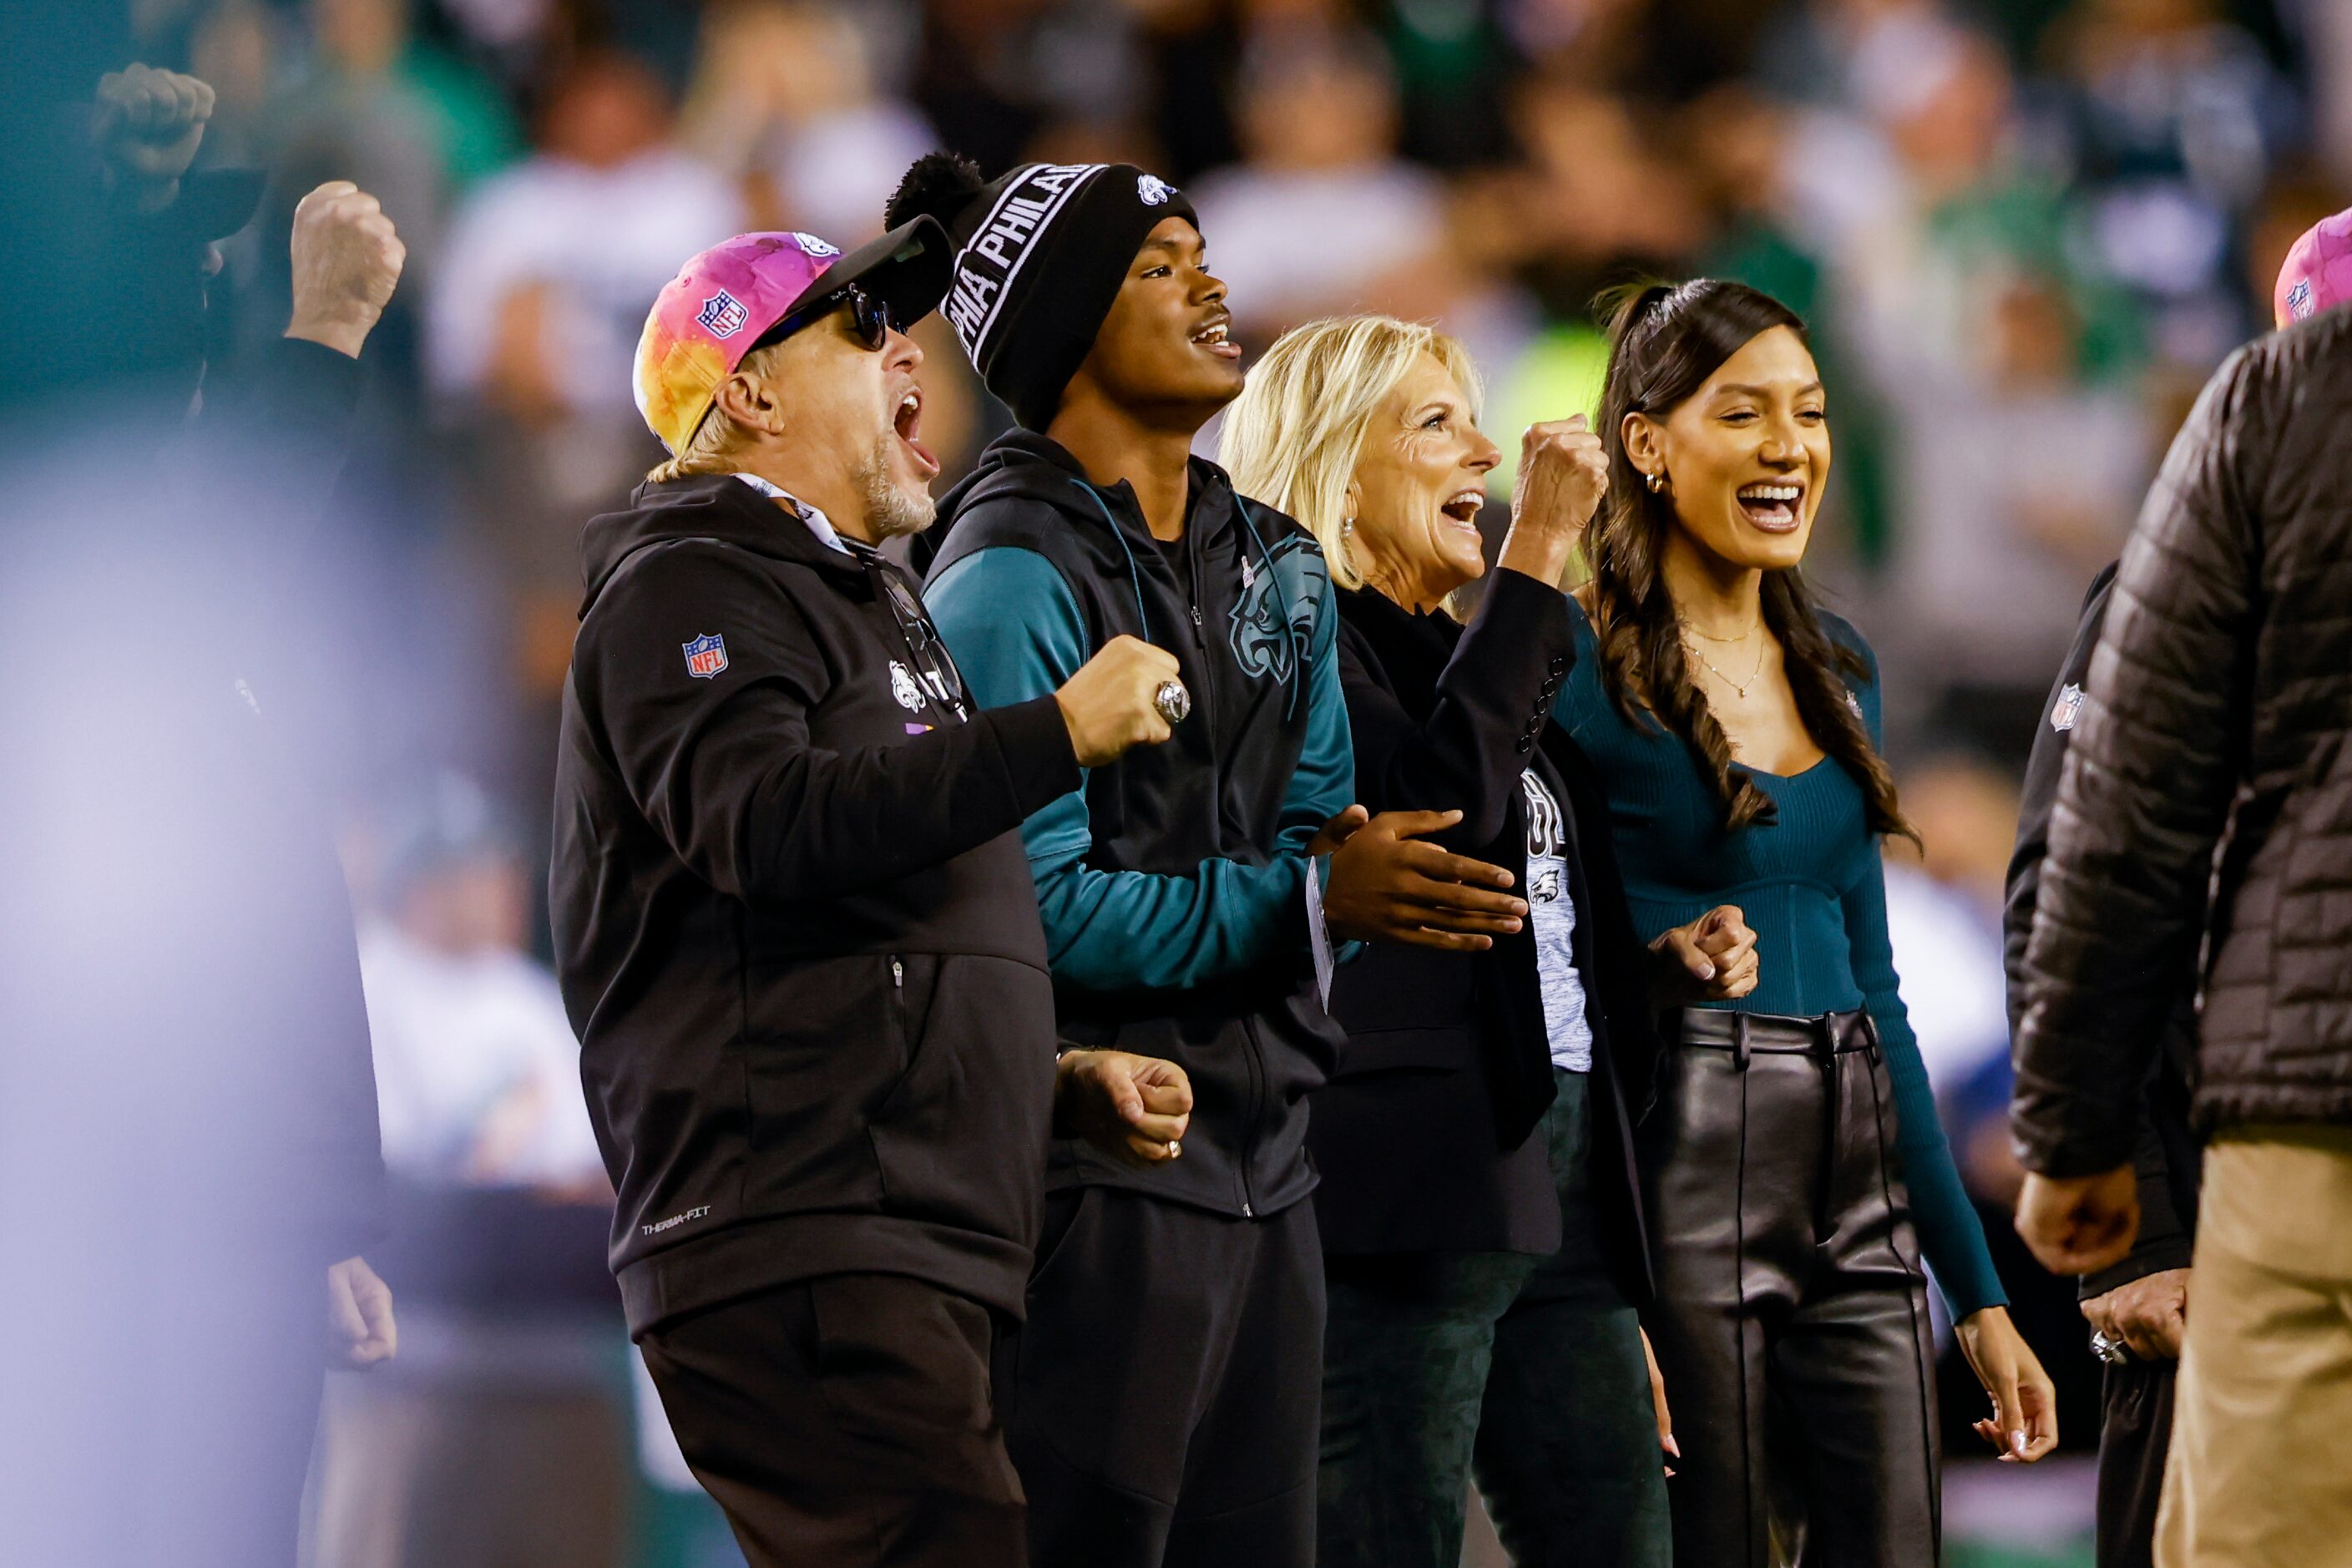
x=796 y=935
x=1173 y=884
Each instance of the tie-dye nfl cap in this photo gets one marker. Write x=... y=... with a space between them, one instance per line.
x=733 y=296
x=2318 y=271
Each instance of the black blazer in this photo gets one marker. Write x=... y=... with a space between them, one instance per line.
x=1421 y=1136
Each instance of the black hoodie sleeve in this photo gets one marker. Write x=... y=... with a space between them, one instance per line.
x=725 y=767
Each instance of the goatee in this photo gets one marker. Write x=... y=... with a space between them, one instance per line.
x=891 y=509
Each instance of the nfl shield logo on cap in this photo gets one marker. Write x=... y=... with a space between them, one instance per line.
x=706 y=656
x=2318 y=275
x=723 y=315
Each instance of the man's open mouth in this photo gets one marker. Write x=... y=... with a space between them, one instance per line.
x=1215 y=338
x=908 y=423
x=1776 y=507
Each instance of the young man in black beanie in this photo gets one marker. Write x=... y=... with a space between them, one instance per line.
x=1161 y=1401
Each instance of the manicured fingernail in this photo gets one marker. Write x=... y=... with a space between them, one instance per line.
x=2017 y=1442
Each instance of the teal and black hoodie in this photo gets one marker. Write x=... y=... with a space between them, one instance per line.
x=1173 y=883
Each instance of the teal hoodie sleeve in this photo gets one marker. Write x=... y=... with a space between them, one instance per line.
x=1325 y=784
x=1016 y=632
x=1949 y=1231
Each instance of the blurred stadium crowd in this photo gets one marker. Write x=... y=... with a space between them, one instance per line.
x=2024 y=230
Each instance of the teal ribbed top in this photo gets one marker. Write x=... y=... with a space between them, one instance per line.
x=1812 y=888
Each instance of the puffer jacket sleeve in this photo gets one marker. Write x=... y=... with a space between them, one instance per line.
x=2146 y=789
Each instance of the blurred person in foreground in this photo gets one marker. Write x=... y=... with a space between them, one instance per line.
x=1482 y=1238
x=500 y=1436
x=1164 y=1387
x=2210 y=751
x=186 y=1100
x=1793 y=1169
x=2136 y=1305
x=795 y=931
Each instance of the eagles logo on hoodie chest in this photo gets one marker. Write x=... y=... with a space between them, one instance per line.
x=882 y=693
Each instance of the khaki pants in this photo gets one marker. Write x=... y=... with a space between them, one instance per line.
x=2261 y=1473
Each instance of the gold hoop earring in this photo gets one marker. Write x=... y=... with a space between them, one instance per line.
x=1657 y=482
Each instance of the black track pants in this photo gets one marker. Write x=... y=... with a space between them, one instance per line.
x=2135 y=1435
x=845 y=1422
x=1162 y=1402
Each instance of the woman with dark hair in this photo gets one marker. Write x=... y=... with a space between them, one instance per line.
x=1483 y=1253
x=1793 y=1168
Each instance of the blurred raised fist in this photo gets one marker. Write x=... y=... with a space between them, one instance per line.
x=149 y=125
x=347 y=261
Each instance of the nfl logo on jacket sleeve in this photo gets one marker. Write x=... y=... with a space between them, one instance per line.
x=706 y=656
x=2067 y=708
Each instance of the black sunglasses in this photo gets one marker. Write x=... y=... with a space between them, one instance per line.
x=871 y=319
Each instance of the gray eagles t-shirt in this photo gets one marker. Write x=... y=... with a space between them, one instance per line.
x=1554 y=914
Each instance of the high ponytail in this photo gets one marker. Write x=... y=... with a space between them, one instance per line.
x=1664 y=341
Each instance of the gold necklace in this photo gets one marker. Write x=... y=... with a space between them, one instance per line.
x=1710 y=636
x=1738 y=686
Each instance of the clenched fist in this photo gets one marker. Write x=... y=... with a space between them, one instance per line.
x=1712 y=959
x=347 y=261
x=1136 y=1108
x=1110 y=703
x=1563 y=473
x=2079 y=1225
x=2147 y=1315
x=149 y=125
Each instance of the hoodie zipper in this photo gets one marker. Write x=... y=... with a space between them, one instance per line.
x=1204 y=710
x=1201 y=699
x=1254 y=1052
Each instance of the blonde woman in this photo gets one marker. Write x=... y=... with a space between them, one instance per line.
x=1482 y=1247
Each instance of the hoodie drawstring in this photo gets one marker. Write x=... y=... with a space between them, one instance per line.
x=1135 y=580
x=1134 y=574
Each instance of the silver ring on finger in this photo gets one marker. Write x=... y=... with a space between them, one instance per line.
x=1172 y=700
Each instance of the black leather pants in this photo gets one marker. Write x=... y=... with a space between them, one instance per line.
x=1793 y=1313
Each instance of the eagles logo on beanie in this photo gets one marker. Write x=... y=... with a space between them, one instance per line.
x=1041 y=253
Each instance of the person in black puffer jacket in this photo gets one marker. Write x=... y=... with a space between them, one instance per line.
x=2210 y=748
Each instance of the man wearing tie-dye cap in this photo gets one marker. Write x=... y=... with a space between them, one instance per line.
x=797 y=934
x=2318 y=275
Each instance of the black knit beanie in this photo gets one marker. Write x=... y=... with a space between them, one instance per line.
x=1041 y=253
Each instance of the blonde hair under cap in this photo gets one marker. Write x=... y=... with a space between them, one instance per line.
x=1291 y=439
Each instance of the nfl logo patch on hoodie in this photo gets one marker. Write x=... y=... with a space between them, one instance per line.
x=706 y=656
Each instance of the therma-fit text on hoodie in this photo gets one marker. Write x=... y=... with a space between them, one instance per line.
x=1173 y=883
